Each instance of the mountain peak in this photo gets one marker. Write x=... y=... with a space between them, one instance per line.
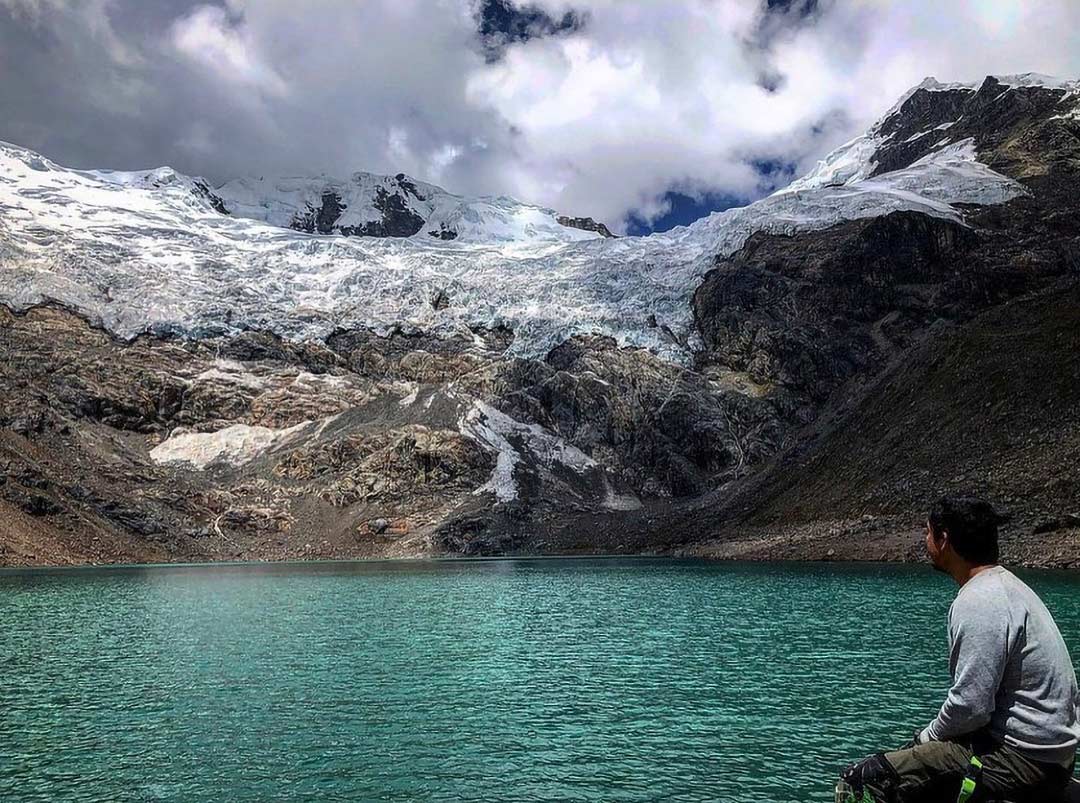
x=372 y=205
x=934 y=117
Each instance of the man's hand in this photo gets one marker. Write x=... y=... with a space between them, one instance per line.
x=920 y=737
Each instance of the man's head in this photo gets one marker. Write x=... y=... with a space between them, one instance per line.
x=962 y=532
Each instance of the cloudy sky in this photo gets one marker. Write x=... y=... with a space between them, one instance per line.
x=640 y=113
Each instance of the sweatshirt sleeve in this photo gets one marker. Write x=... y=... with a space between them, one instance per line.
x=979 y=638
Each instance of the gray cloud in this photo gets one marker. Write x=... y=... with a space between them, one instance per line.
x=600 y=118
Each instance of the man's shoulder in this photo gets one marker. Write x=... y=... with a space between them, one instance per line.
x=986 y=594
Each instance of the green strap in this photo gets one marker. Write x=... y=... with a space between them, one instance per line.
x=863 y=798
x=971 y=780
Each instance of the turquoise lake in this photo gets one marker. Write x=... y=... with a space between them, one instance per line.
x=502 y=680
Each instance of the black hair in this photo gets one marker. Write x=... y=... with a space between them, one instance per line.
x=972 y=525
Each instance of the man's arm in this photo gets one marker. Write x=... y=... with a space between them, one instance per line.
x=979 y=653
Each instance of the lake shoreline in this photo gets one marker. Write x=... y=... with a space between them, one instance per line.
x=817 y=542
x=872 y=540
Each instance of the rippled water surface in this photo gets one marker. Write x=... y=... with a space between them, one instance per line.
x=475 y=681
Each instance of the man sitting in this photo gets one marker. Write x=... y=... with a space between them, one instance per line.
x=1009 y=727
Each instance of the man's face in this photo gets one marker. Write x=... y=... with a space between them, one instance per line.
x=936 y=548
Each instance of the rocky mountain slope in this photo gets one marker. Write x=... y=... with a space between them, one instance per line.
x=990 y=405
x=296 y=369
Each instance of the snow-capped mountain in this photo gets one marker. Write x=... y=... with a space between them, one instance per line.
x=463 y=385
x=369 y=205
x=932 y=121
x=158 y=250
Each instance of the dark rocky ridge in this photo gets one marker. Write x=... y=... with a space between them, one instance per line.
x=806 y=313
x=203 y=189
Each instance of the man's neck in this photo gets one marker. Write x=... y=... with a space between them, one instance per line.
x=966 y=572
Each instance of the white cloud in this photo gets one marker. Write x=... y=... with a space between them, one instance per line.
x=208 y=37
x=646 y=97
x=651 y=95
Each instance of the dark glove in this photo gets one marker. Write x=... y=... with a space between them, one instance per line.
x=874 y=772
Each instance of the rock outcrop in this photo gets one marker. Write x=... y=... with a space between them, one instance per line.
x=585 y=224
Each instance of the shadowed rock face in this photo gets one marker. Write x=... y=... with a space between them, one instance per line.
x=989 y=406
x=811 y=311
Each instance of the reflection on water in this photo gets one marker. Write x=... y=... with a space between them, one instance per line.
x=480 y=680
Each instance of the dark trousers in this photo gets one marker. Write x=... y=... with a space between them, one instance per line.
x=933 y=773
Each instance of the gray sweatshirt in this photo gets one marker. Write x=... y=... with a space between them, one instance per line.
x=1011 y=669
